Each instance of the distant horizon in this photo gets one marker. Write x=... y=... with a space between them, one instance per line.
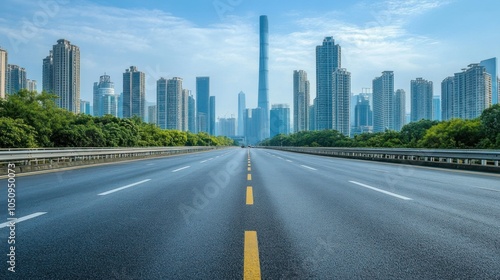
x=220 y=40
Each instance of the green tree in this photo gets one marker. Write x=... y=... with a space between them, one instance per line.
x=16 y=134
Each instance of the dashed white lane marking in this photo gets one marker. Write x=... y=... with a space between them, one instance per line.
x=382 y=191
x=34 y=215
x=308 y=167
x=124 y=187
x=182 y=168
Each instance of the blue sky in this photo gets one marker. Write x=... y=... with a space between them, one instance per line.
x=414 y=38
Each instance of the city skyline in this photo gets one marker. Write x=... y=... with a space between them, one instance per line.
x=399 y=28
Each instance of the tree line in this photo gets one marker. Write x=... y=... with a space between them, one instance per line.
x=29 y=120
x=480 y=133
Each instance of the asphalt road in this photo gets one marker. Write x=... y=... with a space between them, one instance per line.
x=236 y=213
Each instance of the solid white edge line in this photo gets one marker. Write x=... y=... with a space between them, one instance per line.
x=124 y=187
x=182 y=168
x=382 y=191
x=308 y=167
x=34 y=215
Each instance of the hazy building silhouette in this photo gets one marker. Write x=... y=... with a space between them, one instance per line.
x=211 y=114
x=383 y=102
x=31 y=85
x=436 y=108
x=241 y=113
x=85 y=107
x=227 y=127
x=280 y=119
x=363 y=115
x=134 y=93
x=174 y=108
x=152 y=111
x=301 y=101
x=399 y=109
x=191 y=113
x=447 y=98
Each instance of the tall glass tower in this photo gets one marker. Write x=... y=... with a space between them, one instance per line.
x=263 y=100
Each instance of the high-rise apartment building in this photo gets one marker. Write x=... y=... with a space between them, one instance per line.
x=263 y=98
x=85 y=107
x=328 y=59
x=467 y=93
x=185 y=109
x=341 y=100
x=202 y=103
x=191 y=114
x=61 y=75
x=491 y=68
x=241 y=113
x=301 y=103
x=280 y=119
x=16 y=79
x=421 y=92
x=134 y=93
x=383 y=102
x=31 y=85
x=174 y=108
x=399 y=109
x=447 y=98
x=3 y=72
x=161 y=103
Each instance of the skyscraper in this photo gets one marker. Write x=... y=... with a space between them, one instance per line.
x=185 y=109
x=421 y=99
x=31 y=85
x=447 y=98
x=327 y=61
x=134 y=93
x=85 y=107
x=16 y=79
x=191 y=114
x=301 y=101
x=467 y=93
x=491 y=68
x=48 y=73
x=61 y=75
x=161 y=103
x=211 y=114
x=152 y=114
x=363 y=115
x=263 y=98
x=383 y=102
x=436 y=108
x=105 y=102
x=399 y=109
x=3 y=72
x=341 y=100
x=241 y=113
x=227 y=127
x=202 y=103
x=280 y=119
x=174 y=108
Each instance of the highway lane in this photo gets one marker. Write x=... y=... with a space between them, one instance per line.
x=309 y=217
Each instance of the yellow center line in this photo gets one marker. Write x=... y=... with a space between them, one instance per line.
x=249 y=195
x=249 y=177
x=249 y=169
x=251 y=263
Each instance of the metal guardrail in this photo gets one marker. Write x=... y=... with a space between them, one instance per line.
x=41 y=159
x=481 y=160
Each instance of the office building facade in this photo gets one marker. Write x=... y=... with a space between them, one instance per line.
x=16 y=79
x=399 y=109
x=241 y=113
x=263 y=97
x=341 y=101
x=280 y=119
x=3 y=72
